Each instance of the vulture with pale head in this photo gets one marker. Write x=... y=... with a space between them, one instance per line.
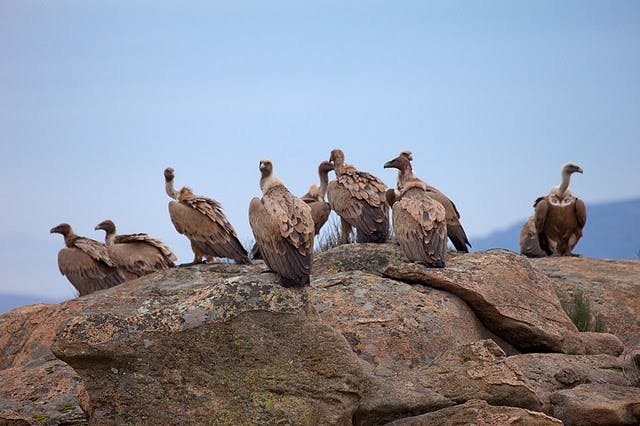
x=283 y=228
x=560 y=217
x=320 y=209
x=136 y=255
x=455 y=231
x=86 y=262
x=419 y=221
x=202 y=220
x=359 y=199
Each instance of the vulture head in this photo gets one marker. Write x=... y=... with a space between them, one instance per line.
x=106 y=225
x=571 y=168
x=407 y=154
x=266 y=168
x=325 y=167
x=401 y=163
x=336 y=158
x=168 y=174
x=63 y=228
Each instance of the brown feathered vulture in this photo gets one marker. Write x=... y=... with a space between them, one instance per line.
x=85 y=262
x=359 y=199
x=136 y=255
x=202 y=220
x=455 y=231
x=283 y=228
x=419 y=221
x=560 y=216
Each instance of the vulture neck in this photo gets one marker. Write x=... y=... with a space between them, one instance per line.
x=171 y=191
x=324 y=182
x=268 y=182
x=69 y=239
x=566 y=177
x=404 y=176
x=110 y=238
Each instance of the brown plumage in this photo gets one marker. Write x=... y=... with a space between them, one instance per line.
x=359 y=199
x=85 y=262
x=136 y=255
x=202 y=220
x=283 y=228
x=560 y=217
x=455 y=231
x=529 y=244
x=320 y=209
x=419 y=221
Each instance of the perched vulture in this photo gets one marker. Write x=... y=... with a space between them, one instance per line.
x=419 y=221
x=136 y=255
x=529 y=244
x=455 y=231
x=320 y=209
x=283 y=228
x=560 y=217
x=202 y=220
x=359 y=199
x=86 y=262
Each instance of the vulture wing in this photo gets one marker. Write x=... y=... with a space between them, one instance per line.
x=541 y=208
x=85 y=272
x=581 y=213
x=166 y=252
x=420 y=227
x=455 y=231
x=283 y=228
x=203 y=222
x=368 y=220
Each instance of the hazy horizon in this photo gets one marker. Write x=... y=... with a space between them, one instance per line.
x=491 y=97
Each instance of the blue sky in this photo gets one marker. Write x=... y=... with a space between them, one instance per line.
x=97 y=98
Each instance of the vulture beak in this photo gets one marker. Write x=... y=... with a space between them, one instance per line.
x=263 y=166
x=390 y=164
x=579 y=170
x=97 y=227
x=53 y=230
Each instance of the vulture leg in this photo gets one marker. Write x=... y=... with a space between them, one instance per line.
x=346 y=231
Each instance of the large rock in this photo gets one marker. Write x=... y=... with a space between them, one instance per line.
x=204 y=345
x=549 y=373
x=478 y=412
x=597 y=404
x=36 y=387
x=512 y=298
x=226 y=344
x=612 y=287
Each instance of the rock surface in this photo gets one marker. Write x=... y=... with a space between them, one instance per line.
x=612 y=286
x=226 y=344
x=513 y=299
x=597 y=404
x=478 y=412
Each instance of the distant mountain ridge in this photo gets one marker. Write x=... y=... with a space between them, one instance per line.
x=612 y=232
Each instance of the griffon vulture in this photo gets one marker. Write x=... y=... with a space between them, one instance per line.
x=320 y=209
x=359 y=199
x=419 y=221
x=560 y=216
x=136 y=255
x=202 y=220
x=283 y=228
x=455 y=231
x=85 y=262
